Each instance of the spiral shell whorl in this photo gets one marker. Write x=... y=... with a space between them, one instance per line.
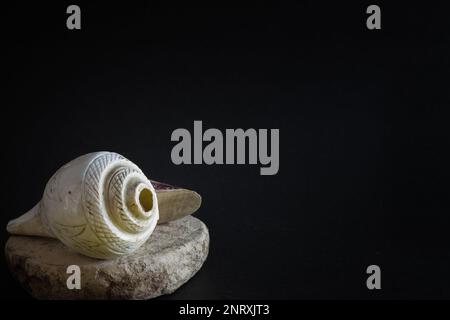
x=112 y=191
x=125 y=186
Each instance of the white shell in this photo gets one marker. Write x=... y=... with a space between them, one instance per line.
x=99 y=204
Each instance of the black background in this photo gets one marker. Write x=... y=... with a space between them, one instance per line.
x=363 y=133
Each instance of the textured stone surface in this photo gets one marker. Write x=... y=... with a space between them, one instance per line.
x=173 y=254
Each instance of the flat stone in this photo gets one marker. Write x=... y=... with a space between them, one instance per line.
x=174 y=253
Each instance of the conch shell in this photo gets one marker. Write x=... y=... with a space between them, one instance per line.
x=103 y=206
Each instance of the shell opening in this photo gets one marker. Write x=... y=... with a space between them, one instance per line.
x=146 y=199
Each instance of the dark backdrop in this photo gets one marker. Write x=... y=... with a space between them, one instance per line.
x=363 y=133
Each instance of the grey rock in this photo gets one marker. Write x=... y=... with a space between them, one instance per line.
x=174 y=253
